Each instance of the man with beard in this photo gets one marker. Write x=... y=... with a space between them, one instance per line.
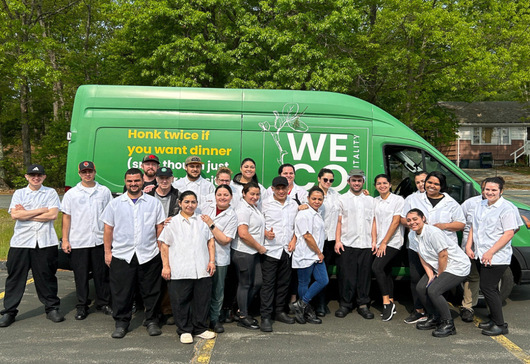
x=193 y=180
x=354 y=245
x=150 y=165
x=133 y=222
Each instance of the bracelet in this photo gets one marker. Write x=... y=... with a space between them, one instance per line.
x=212 y=262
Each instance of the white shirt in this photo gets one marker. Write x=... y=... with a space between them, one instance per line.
x=281 y=219
x=253 y=218
x=188 y=246
x=308 y=221
x=330 y=213
x=385 y=210
x=28 y=233
x=226 y=221
x=357 y=218
x=446 y=211
x=85 y=205
x=432 y=241
x=296 y=191
x=201 y=187
x=134 y=226
x=468 y=208
x=489 y=224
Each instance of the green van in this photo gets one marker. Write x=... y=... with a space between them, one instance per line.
x=116 y=126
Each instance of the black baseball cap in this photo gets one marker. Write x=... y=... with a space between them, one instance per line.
x=86 y=165
x=151 y=158
x=164 y=172
x=35 y=169
x=280 y=181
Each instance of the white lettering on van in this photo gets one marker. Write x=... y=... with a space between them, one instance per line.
x=335 y=147
x=356 y=151
x=333 y=167
x=307 y=142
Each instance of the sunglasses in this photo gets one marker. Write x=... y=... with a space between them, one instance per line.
x=328 y=180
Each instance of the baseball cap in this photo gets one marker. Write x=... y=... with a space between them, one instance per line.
x=356 y=172
x=35 y=169
x=280 y=181
x=193 y=159
x=164 y=172
x=151 y=158
x=86 y=165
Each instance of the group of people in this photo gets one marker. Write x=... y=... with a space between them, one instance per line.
x=199 y=255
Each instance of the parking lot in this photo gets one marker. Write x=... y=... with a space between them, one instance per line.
x=33 y=339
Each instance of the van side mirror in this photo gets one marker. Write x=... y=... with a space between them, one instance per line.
x=469 y=190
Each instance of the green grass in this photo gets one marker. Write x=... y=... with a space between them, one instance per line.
x=6 y=231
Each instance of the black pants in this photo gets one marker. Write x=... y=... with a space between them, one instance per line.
x=330 y=258
x=354 y=276
x=432 y=296
x=248 y=268
x=43 y=265
x=490 y=277
x=124 y=277
x=190 y=303
x=84 y=261
x=276 y=279
x=416 y=272
x=383 y=272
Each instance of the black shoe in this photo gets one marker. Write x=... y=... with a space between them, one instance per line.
x=247 y=323
x=321 y=310
x=107 y=310
x=229 y=317
x=54 y=316
x=153 y=329
x=466 y=314
x=446 y=328
x=389 y=311
x=81 y=314
x=310 y=315
x=7 y=319
x=486 y=325
x=342 y=312
x=218 y=327
x=298 y=308
x=430 y=324
x=119 y=333
x=495 y=330
x=266 y=325
x=285 y=318
x=365 y=312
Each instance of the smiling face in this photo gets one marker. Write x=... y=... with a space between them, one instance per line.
x=280 y=193
x=164 y=182
x=252 y=196
x=356 y=184
x=382 y=186
x=415 y=222
x=223 y=198
x=87 y=177
x=193 y=171
x=188 y=205
x=150 y=168
x=326 y=181
x=35 y=180
x=492 y=192
x=315 y=200
x=288 y=172
x=134 y=184
x=420 y=182
x=432 y=187
x=248 y=170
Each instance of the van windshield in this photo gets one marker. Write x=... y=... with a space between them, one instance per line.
x=402 y=162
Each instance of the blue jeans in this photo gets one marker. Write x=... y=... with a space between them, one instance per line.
x=319 y=273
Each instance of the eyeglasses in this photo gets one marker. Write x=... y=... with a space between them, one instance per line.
x=328 y=180
x=225 y=181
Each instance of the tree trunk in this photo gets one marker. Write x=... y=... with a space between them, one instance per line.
x=24 y=122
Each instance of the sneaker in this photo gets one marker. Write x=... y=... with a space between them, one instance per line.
x=208 y=335
x=389 y=311
x=466 y=314
x=415 y=317
x=186 y=338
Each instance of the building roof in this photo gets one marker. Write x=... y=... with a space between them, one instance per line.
x=489 y=112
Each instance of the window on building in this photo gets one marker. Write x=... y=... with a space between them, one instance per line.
x=491 y=136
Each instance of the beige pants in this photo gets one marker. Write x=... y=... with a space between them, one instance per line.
x=471 y=287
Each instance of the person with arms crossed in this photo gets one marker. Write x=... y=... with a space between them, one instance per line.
x=33 y=246
x=83 y=238
x=133 y=222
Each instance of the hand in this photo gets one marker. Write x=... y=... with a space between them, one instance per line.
x=291 y=246
x=303 y=206
x=486 y=258
x=431 y=280
x=211 y=268
x=374 y=247
x=338 y=247
x=320 y=257
x=67 y=248
x=381 y=251
x=19 y=207
x=148 y=189
x=167 y=220
x=207 y=219
x=366 y=192
x=269 y=235
x=470 y=253
x=166 y=273
x=262 y=249
x=108 y=258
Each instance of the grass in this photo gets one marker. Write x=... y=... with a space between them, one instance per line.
x=6 y=231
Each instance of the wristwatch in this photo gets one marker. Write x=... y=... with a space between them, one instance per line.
x=212 y=226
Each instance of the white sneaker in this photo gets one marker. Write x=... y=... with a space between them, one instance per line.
x=186 y=338
x=208 y=335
